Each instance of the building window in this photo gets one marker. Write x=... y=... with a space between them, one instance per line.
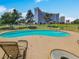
x=64 y=58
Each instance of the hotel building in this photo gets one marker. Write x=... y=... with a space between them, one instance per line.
x=62 y=19
x=40 y=17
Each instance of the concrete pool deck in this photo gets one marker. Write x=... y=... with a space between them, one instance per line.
x=40 y=47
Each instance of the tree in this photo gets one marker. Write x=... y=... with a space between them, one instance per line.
x=76 y=21
x=29 y=17
x=10 y=18
x=15 y=15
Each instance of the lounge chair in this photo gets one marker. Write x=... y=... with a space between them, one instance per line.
x=14 y=50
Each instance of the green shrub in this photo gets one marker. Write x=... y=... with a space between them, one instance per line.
x=32 y=27
x=53 y=26
x=21 y=27
x=5 y=28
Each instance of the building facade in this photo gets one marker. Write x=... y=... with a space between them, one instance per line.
x=68 y=22
x=40 y=17
x=62 y=19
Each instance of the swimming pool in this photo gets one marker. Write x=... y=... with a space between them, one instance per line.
x=22 y=33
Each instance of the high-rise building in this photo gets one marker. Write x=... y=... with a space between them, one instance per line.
x=62 y=19
x=68 y=22
x=40 y=17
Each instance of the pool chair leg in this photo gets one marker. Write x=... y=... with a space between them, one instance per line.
x=24 y=55
x=5 y=57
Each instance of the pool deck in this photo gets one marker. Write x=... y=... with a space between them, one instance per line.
x=40 y=47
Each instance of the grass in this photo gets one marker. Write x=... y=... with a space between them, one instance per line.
x=68 y=27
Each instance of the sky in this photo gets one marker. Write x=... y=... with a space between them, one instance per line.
x=68 y=8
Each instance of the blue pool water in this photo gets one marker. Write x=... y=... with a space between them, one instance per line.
x=34 y=33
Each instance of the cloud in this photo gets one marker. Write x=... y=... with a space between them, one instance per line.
x=10 y=10
x=38 y=1
x=2 y=9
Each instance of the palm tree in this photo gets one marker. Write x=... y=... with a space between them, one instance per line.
x=29 y=17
